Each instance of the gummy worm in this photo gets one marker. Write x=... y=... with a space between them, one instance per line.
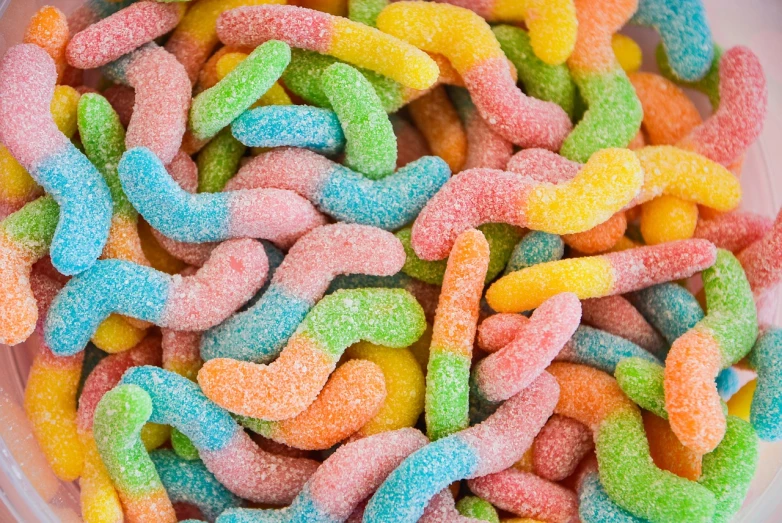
x=27 y=77
x=734 y=231
x=436 y=117
x=534 y=248
x=669 y=307
x=235 y=271
x=290 y=126
x=560 y=447
x=764 y=358
x=617 y=316
x=485 y=148
x=291 y=383
x=760 y=261
x=343 y=194
x=93 y=11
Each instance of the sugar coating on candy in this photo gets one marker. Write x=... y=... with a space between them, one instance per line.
x=344 y=194
x=670 y=308
x=48 y=28
x=437 y=119
x=767 y=399
x=122 y=98
x=761 y=262
x=525 y=121
x=404 y=383
x=528 y=495
x=291 y=383
x=259 y=333
x=441 y=509
x=595 y=506
x=501 y=238
x=559 y=447
x=121 y=33
x=535 y=247
x=410 y=143
x=511 y=369
x=353 y=395
x=669 y=114
x=191 y=482
x=219 y=105
x=290 y=126
x=485 y=148
x=543 y=166
x=218 y=161
x=734 y=231
x=332 y=35
x=708 y=85
x=477 y=508
x=668 y=218
x=667 y=451
x=489 y=447
x=498 y=330
x=599 y=238
x=455 y=323
x=628 y=52
x=552 y=83
x=31 y=136
x=616 y=315
x=642 y=381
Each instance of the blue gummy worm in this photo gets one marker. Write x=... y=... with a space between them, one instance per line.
x=594 y=505
x=766 y=410
x=670 y=308
x=534 y=248
x=290 y=125
x=603 y=350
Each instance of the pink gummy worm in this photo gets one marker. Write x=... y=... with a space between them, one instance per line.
x=543 y=166
x=235 y=271
x=357 y=469
x=616 y=315
x=642 y=267
x=44 y=289
x=505 y=436
x=121 y=33
x=559 y=448
x=485 y=148
x=525 y=121
x=498 y=330
x=528 y=495
x=442 y=509
x=734 y=231
x=298 y=170
x=108 y=373
x=410 y=143
x=181 y=347
x=122 y=99
x=762 y=261
x=738 y=121
x=27 y=79
x=469 y=199
x=163 y=95
x=335 y=249
x=508 y=371
x=256 y=475
x=253 y=25
x=184 y=171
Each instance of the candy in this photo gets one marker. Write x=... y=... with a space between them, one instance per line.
x=598 y=276
x=628 y=53
x=740 y=404
x=342 y=193
x=291 y=125
x=490 y=447
x=219 y=105
x=525 y=121
x=722 y=338
x=669 y=115
x=279 y=216
x=455 y=322
x=761 y=263
x=535 y=247
x=599 y=238
x=552 y=83
x=685 y=34
x=233 y=274
x=594 y=505
x=224 y=447
x=617 y=316
x=437 y=119
x=613 y=114
x=119 y=417
x=527 y=495
x=290 y=384
x=643 y=382
x=766 y=400
x=261 y=332
x=48 y=29
x=218 y=161
x=181 y=352
x=477 y=508
x=734 y=231
x=405 y=387
x=667 y=451
x=339 y=485
x=93 y=11
x=668 y=218
x=27 y=76
x=351 y=397
x=511 y=369
x=543 y=166
x=121 y=33
x=336 y=36
x=708 y=85
x=669 y=307
x=483 y=195
x=366 y=11
x=485 y=148
x=559 y=448
x=501 y=238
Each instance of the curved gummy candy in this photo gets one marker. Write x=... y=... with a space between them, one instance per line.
x=708 y=85
x=534 y=248
x=343 y=194
x=222 y=103
x=767 y=399
x=485 y=148
x=290 y=126
x=479 y=196
x=328 y=34
x=48 y=29
x=235 y=271
x=669 y=114
x=259 y=333
x=734 y=231
x=279 y=216
x=761 y=261
x=121 y=33
x=489 y=447
x=290 y=384
x=436 y=117
x=685 y=34
x=595 y=506
x=617 y=316
x=559 y=447
x=523 y=120
x=27 y=76
x=226 y=450
x=477 y=508
x=345 y=479
x=352 y=396
x=724 y=336
x=669 y=307
x=453 y=332
x=598 y=276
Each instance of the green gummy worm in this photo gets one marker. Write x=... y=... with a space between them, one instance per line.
x=219 y=161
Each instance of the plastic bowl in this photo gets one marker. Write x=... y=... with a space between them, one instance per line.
x=28 y=489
